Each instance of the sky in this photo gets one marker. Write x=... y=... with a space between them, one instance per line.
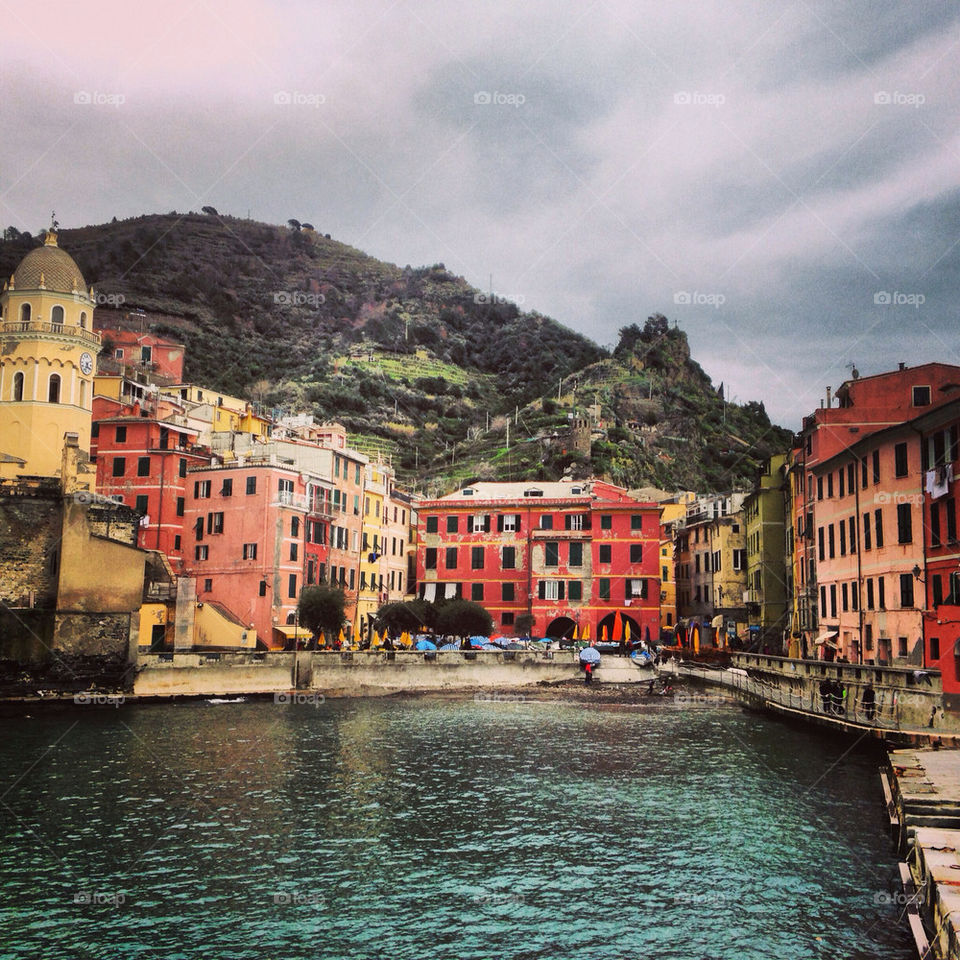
x=781 y=179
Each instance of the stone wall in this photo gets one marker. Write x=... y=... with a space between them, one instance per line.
x=30 y=519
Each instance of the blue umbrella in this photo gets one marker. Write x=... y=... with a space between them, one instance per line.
x=425 y=645
x=479 y=641
x=489 y=646
x=450 y=646
x=589 y=655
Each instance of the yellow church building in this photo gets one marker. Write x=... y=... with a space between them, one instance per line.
x=47 y=360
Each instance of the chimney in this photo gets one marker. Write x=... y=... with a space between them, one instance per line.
x=901 y=366
x=828 y=397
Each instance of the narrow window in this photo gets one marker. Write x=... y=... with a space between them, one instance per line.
x=53 y=390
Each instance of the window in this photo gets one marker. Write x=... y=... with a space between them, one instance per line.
x=476 y=558
x=432 y=524
x=636 y=589
x=508 y=522
x=292 y=585
x=821 y=544
x=831 y=541
x=900 y=460
x=904 y=523
x=551 y=554
x=227 y=489
x=869 y=593
x=951 y=510
x=182 y=471
x=452 y=524
x=201 y=551
x=603 y=588
x=141 y=505
x=143 y=466
x=876 y=466
x=851 y=477
x=575 y=590
x=285 y=490
x=176 y=542
x=507 y=619
x=551 y=590
x=546 y=521
x=119 y=466
x=606 y=521
x=866 y=531
x=250 y=552
x=18 y=387
x=878 y=527
x=854 y=595
x=819 y=488
x=294 y=548
x=868 y=636
x=935 y=525
x=934 y=648
x=294 y=526
x=605 y=553
x=937 y=584
x=739 y=559
x=881 y=589
x=480 y=523
x=840 y=482
x=25 y=313
x=921 y=396
x=53 y=390
x=508 y=558
x=574 y=521
x=215 y=522
x=201 y=489
x=823 y=601
x=833 y=600
x=508 y=591
x=207 y=585
x=830 y=486
x=430 y=558
x=636 y=521
x=476 y=592
x=906 y=589
x=121 y=434
x=843 y=538
x=576 y=554
x=450 y=558
x=863 y=473
x=251 y=485
x=636 y=553
x=852 y=526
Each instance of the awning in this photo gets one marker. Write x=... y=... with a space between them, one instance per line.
x=430 y=592
x=291 y=630
x=450 y=591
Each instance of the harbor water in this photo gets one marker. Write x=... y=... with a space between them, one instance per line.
x=435 y=828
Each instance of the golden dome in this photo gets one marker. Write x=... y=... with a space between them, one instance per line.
x=50 y=266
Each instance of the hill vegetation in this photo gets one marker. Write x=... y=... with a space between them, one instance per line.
x=417 y=364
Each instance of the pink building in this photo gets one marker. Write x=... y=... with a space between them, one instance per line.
x=243 y=540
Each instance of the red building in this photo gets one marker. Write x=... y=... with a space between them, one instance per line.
x=244 y=530
x=571 y=555
x=143 y=462
x=127 y=350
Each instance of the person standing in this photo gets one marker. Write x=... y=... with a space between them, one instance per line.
x=588 y=672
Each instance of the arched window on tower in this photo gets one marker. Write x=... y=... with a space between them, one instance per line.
x=25 y=313
x=83 y=393
x=18 y=387
x=56 y=316
x=53 y=391
x=83 y=319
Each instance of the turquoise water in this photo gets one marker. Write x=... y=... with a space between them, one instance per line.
x=430 y=828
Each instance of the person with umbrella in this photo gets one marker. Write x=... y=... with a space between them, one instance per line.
x=590 y=658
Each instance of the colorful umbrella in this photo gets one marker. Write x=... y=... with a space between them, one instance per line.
x=615 y=631
x=626 y=630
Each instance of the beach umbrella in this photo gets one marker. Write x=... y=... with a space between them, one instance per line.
x=450 y=646
x=615 y=631
x=626 y=630
x=425 y=645
x=586 y=632
x=589 y=655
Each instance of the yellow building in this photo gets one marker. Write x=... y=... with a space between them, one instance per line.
x=673 y=511
x=373 y=584
x=47 y=358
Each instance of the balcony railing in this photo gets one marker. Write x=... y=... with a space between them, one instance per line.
x=41 y=326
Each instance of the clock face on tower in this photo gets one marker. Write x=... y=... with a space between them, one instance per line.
x=86 y=363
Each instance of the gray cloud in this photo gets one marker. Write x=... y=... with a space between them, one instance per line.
x=780 y=163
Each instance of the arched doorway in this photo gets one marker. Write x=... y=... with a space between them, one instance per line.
x=605 y=628
x=561 y=627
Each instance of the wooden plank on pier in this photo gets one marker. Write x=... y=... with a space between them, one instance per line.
x=913 y=911
x=888 y=799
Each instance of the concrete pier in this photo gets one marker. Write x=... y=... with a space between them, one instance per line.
x=925 y=816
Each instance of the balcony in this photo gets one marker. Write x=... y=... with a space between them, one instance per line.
x=42 y=327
